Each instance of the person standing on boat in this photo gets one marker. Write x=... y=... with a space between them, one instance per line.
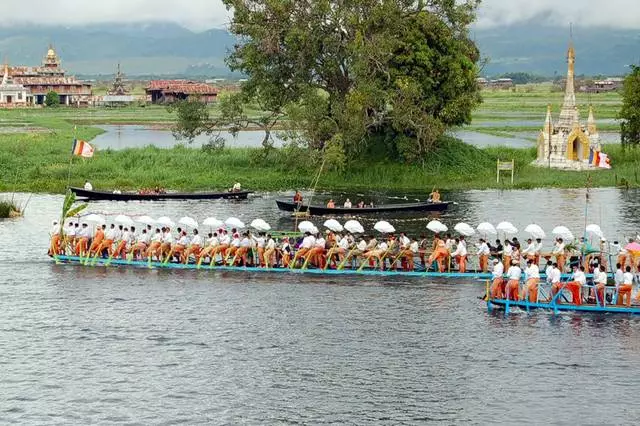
x=69 y=237
x=82 y=244
x=514 y=274
x=625 y=289
x=506 y=254
x=560 y=254
x=555 y=279
x=167 y=243
x=141 y=244
x=434 y=196
x=194 y=248
x=210 y=245
x=483 y=255
x=439 y=254
x=98 y=238
x=154 y=246
x=297 y=198
x=575 y=285
x=532 y=275
x=600 y=278
x=537 y=251
x=55 y=246
x=347 y=204
x=122 y=244
x=460 y=255
x=497 y=277
x=529 y=251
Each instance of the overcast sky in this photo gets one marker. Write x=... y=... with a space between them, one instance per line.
x=204 y=14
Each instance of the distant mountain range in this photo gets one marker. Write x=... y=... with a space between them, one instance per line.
x=168 y=49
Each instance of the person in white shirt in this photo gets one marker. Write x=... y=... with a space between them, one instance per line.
x=347 y=204
x=460 y=254
x=529 y=251
x=240 y=257
x=82 y=240
x=537 y=251
x=497 y=277
x=483 y=255
x=619 y=275
x=141 y=244
x=269 y=252
x=600 y=278
x=532 y=274
x=507 y=251
x=285 y=252
x=260 y=242
x=308 y=242
x=88 y=186
x=316 y=255
x=230 y=252
x=449 y=243
x=69 y=236
x=514 y=274
x=575 y=285
x=167 y=244
x=556 y=277
x=121 y=247
x=156 y=242
x=560 y=254
x=624 y=291
x=55 y=242
x=195 y=247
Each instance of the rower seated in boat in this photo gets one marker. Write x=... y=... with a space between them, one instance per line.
x=156 y=242
x=141 y=243
x=297 y=198
x=624 y=291
x=497 y=277
x=88 y=186
x=195 y=247
x=331 y=204
x=434 y=196
x=347 y=204
x=514 y=274
x=237 y=187
x=532 y=276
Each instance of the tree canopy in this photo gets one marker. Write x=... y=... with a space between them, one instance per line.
x=359 y=78
x=630 y=112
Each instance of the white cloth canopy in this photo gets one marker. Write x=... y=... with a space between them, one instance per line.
x=123 y=220
x=147 y=220
x=507 y=228
x=486 y=228
x=464 y=229
x=94 y=218
x=260 y=225
x=437 y=226
x=384 y=227
x=212 y=222
x=234 y=222
x=563 y=232
x=354 y=227
x=535 y=231
x=306 y=226
x=189 y=222
x=165 y=221
x=333 y=225
x=594 y=229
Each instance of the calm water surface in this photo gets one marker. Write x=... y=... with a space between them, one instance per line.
x=108 y=345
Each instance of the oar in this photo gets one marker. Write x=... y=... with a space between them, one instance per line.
x=344 y=261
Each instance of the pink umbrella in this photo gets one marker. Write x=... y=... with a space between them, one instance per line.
x=632 y=247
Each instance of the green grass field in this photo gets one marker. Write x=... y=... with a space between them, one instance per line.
x=39 y=161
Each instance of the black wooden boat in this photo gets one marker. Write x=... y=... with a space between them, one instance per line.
x=133 y=196
x=423 y=206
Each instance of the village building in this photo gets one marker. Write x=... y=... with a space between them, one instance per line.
x=51 y=77
x=118 y=94
x=12 y=94
x=168 y=91
x=567 y=143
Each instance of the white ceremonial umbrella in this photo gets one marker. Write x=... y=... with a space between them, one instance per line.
x=535 y=231
x=563 y=232
x=306 y=226
x=147 y=220
x=234 y=222
x=486 y=228
x=333 y=225
x=594 y=229
x=464 y=229
x=437 y=226
x=189 y=222
x=123 y=220
x=94 y=218
x=165 y=221
x=354 y=227
x=260 y=225
x=212 y=222
x=384 y=227
x=507 y=228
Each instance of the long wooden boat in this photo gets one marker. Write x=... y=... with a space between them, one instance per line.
x=423 y=206
x=133 y=196
x=474 y=276
x=507 y=305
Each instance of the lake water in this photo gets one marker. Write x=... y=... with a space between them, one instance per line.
x=116 y=346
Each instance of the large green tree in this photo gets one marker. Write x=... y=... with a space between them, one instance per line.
x=359 y=77
x=630 y=112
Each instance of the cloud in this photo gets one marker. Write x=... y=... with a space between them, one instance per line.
x=204 y=14
x=613 y=13
x=193 y=14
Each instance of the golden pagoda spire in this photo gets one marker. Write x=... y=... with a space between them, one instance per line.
x=569 y=117
x=548 y=125
x=591 y=122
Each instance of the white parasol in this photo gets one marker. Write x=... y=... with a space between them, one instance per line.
x=260 y=225
x=594 y=229
x=507 y=228
x=306 y=226
x=354 y=227
x=94 y=218
x=234 y=222
x=123 y=220
x=165 y=221
x=486 y=228
x=147 y=220
x=535 y=231
x=189 y=222
x=384 y=227
x=212 y=222
x=464 y=229
x=437 y=226
x=333 y=225
x=563 y=232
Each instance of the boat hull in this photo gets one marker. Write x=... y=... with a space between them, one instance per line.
x=130 y=196
x=469 y=276
x=289 y=206
x=507 y=305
